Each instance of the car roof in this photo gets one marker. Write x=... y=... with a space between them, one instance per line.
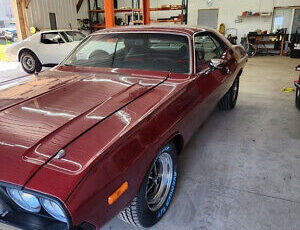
x=54 y=31
x=183 y=29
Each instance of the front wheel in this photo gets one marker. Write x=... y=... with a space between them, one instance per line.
x=30 y=62
x=297 y=98
x=156 y=191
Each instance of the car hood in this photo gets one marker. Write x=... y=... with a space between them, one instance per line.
x=39 y=115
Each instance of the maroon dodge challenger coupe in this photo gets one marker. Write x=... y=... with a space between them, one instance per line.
x=99 y=135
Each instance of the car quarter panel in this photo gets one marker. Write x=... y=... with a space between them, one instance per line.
x=31 y=43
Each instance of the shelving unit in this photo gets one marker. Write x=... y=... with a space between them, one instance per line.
x=268 y=43
x=136 y=10
x=258 y=14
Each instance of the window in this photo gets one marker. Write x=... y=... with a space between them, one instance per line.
x=208 y=17
x=71 y=36
x=282 y=19
x=158 y=52
x=221 y=47
x=207 y=48
x=51 y=38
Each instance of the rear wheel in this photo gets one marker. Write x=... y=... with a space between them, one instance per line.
x=298 y=98
x=251 y=51
x=230 y=98
x=156 y=191
x=30 y=62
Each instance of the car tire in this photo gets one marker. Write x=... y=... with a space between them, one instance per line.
x=230 y=98
x=30 y=62
x=297 y=101
x=147 y=208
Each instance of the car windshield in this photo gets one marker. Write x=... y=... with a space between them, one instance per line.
x=72 y=36
x=143 y=51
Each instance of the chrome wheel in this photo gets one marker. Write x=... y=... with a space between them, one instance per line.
x=28 y=62
x=159 y=181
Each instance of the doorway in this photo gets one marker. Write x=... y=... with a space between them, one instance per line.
x=52 y=18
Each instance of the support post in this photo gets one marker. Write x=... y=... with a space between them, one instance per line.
x=109 y=13
x=21 y=18
x=186 y=11
x=78 y=6
x=146 y=12
x=27 y=2
x=90 y=16
x=96 y=6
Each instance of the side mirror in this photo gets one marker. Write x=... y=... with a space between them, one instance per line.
x=216 y=63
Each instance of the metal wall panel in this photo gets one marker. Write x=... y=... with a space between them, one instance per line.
x=65 y=11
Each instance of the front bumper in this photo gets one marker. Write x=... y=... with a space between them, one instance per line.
x=11 y=214
x=27 y=221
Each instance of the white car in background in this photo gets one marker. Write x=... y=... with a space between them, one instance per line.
x=47 y=48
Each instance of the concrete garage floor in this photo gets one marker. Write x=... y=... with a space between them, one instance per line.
x=241 y=170
x=11 y=70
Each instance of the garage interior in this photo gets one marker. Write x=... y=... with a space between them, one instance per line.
x=241 y=170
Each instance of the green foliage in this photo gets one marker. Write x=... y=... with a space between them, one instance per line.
x=3 y=47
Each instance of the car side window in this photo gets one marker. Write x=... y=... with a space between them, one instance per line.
x=65 y=36
x=51 y=38
x=221 y=46
x=71 y=36
x=205 y=50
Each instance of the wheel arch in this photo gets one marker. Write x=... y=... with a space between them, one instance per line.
x=179 y=142
x=240 y=72
x=177 y=139
x=23 y=50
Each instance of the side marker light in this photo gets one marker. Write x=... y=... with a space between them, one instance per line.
x=119 y=192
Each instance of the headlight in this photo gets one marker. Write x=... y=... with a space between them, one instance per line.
x=54 y=209
x=25 y=200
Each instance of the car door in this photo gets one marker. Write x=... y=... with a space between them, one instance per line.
x=212 y=64
x=208 y=79
x=53 y=48
x=224 y=75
